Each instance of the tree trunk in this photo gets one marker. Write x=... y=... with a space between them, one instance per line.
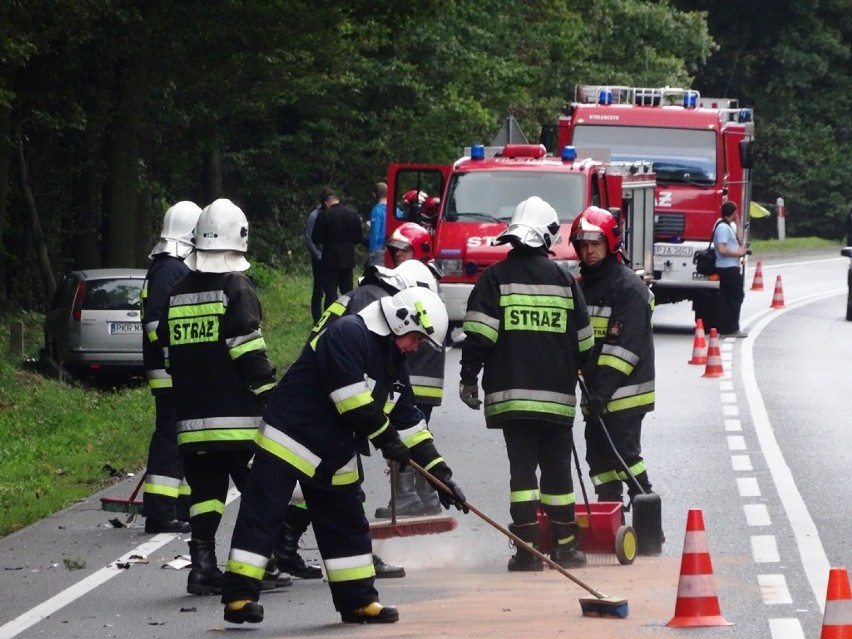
x=5 y=158
x=213 y=188
x=35 y=224
x=123 y=171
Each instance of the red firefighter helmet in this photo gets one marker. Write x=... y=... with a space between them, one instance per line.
x=430 y=206
x=413 y=236
x=596 y=223
x=414 y=197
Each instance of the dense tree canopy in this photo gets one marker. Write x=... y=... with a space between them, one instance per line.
x=111 y=111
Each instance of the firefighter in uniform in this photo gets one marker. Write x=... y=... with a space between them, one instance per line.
x=411 y=243
x=221 y=374
x=620 y=373
x=527 y=327
x=164 y=496
x=339 y=394
x=377 y=283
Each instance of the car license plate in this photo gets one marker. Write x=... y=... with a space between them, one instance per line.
x=673 y=251
x=124 y=328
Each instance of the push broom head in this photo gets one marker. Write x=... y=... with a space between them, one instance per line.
x=412 y=526
x=604 y=607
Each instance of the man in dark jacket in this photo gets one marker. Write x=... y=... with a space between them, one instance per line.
x=620 y=373
x=527 y=326
x=338 y=231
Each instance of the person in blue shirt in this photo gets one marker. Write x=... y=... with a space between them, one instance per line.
x=728 y=243
x=375 y=241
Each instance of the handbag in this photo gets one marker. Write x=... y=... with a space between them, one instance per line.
x=705 y=259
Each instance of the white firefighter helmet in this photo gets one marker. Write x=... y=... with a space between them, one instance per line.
x=417 y=310
x=416 y=273
x=176 y=236
x=534 y=223
x=414 y=309
x=221 y=239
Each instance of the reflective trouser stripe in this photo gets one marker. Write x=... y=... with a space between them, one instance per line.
x=246 y=563
x=349 y=568
x=204 y=507
x=162 y=485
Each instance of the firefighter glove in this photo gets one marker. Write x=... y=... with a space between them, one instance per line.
x=595 y=407
x=469 y=394
x=443 y=474
x=396 y=451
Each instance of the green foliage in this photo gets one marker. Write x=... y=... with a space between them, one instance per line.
x=61 y=443
x=265 y=103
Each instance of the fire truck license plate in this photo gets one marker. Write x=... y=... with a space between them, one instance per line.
x=124 y=328
x=673 y=251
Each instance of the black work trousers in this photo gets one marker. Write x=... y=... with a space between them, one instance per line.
x=336 y=282
x=317 y=306
x=606 y=471
x=533 y=445
x=161 y=496
x=340 y=526
x=731 y=295
x=208 y=475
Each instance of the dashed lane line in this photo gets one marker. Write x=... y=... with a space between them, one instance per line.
x=773 y=586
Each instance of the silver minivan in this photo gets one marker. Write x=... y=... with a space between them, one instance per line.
x=94 y=324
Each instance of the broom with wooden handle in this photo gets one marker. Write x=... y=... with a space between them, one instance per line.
x=599 y=605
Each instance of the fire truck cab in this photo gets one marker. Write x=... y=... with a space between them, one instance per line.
x=700 y=150
x=469 y=203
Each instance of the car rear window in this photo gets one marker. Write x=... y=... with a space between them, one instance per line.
x=119 y=294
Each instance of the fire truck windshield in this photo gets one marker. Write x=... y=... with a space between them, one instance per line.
x=686 y=156
x=491 y=196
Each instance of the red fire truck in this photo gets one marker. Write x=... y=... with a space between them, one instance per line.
x=700 y=150
x=467 y=204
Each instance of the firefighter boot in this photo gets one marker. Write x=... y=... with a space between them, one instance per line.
x=408 y=502
x=371 y=613
x=286 y=551
x=273 y=578
x=243 y=611
x=565 y=544
x=525 y=561
x=428 y=496
x=205 y=578
x=387 y=571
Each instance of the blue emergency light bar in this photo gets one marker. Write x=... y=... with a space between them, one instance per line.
x=690 y=100
x=477 y=152
x=605 y=96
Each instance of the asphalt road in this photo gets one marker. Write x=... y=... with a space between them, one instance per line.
x=762 y=452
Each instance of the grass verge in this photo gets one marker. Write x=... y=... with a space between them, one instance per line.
x=61 y=443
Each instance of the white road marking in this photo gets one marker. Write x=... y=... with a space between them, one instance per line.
x=733 y=425
x=730 y=411
x=757 y=515
x=814 y=560
x=786 y=629
x=774 y=589
x=72 y=593
x=736 y=442
x=729 y=398
x=764 y=549
x=748 y=487
x=741 y=462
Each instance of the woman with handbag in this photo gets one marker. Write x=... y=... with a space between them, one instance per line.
x=728 y=243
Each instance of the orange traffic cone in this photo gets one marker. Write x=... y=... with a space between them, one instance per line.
x=714 y=357
x=757 y=284
x=697 y=603
x=837 y=620
x=778 y=295
x=699 y=344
